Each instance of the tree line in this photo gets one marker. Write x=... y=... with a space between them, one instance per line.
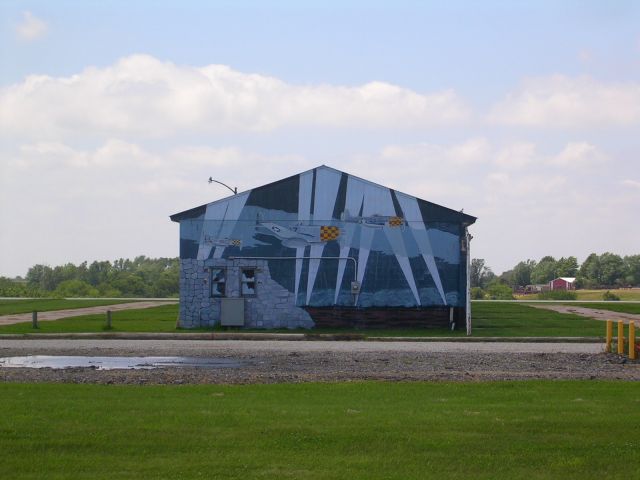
x=607 y=270
x=140 y=277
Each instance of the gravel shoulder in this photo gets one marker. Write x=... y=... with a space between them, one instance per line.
x=301 y=361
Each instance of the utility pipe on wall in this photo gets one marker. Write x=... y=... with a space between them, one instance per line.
x=355 y=263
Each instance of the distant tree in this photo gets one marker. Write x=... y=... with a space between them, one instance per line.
x=480 y=274
x=544 y=271
x=632 y=269
x=41 y=277
x=589 y=274
x=612 y=269
x=521 y=273
x=566 y=267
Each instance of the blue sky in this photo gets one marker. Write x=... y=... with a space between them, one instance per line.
x=524 y=113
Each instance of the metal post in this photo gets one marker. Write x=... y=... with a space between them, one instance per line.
x=468 y=299
x=108 y=319
x=632 y=340
x=609 y=336
x=34 y=319
x=620 y=337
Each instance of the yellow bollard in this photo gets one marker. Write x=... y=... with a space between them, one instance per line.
x=632 y=340
x=609 y=336
x=620 y=337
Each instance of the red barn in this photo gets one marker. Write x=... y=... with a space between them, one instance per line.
x=563 y=283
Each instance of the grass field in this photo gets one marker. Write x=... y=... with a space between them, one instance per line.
x=155 y=319
x=10 y=307
x=512 y=319
x=489 y=319
x=536 y=429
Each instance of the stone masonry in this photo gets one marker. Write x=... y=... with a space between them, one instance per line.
x=272 y=306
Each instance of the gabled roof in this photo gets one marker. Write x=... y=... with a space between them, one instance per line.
x=197 y=211
x=567 y=279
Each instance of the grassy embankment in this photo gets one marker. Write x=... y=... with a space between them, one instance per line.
x=11 y=307
x=505 y=430
x=489 y=319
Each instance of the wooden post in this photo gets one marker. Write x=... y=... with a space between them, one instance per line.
x=609 y=336
x=34 y=319
x=620 y=337
x=108 y=319
x=632 y=340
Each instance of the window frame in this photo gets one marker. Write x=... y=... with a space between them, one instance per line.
x=255 y=282
x=212 y=282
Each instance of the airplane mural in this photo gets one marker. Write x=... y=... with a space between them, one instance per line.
x=300 y=236
x=329 y=229
x=373 y=221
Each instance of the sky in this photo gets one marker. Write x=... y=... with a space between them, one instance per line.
x=113 y=115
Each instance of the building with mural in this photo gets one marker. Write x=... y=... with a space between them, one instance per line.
x=323 y=249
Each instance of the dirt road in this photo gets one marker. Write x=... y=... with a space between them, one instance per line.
x=76 y=312
x=593 y=313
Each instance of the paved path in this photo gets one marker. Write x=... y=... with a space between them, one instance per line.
x=76 y=312
x=217 y=347
x=593 y=313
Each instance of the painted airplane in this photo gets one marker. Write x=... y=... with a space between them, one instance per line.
x=300 y=235
x=373 y=221
x=222 y=242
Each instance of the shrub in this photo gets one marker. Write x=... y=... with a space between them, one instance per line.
x=558 y=295
x=608 y=296
x=499 y=291
x=477 y=293
x=75 y=288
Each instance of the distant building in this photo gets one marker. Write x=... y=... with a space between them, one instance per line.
x=323 y=249
x=563 y=283
x=536 y=288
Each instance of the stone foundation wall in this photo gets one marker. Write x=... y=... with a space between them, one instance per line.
x=273 y=306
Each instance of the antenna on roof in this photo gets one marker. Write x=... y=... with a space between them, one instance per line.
x=234 y=190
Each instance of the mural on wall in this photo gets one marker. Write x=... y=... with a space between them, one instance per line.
x=327 y=229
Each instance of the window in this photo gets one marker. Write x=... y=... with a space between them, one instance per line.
x=218 y=282
x=248 y=282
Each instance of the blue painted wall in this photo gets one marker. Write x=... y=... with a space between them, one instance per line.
x=408 y=251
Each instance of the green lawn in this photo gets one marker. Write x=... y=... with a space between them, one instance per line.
x=154 y=319
x=10 y=307
x=489 y=319
x=528 y=430
x=502 y=319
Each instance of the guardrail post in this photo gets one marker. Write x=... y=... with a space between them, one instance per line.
x=34 y=319
x=108 y=319
x=609 y=336
x=632 y=340
x=620 y=337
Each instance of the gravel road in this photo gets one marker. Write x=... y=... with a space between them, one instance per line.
x=302 y=361
x=593 y=313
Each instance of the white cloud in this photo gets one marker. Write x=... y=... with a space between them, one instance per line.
x=631 y=183
x=31 y=27
x=516 y=155
x=472 y=151
x=140 y=95
x=574 y=102
x=578 y=154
